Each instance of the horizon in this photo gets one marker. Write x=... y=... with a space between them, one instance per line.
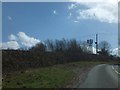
x=30 y=23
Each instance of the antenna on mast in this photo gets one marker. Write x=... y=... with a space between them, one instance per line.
x=96 y=43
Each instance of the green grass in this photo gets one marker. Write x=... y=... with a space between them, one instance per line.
x=39 y=78
x=48 y=77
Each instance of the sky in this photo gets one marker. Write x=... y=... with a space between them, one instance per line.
x=24 y=24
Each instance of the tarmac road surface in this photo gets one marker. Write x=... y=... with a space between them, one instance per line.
x=101 y=76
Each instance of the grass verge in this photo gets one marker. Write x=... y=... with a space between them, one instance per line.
x=48 y=77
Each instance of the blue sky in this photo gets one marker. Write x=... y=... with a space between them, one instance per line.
x=55 y=20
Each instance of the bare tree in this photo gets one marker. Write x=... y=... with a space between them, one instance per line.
x=50 y=45
x=40 y=47
x=84 y=46
x=74 y=46
x=61 y=45
x=104 y=48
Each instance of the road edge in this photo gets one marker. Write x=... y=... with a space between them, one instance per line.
x=115 y=70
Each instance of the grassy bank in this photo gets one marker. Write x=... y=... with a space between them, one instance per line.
x=48 y=77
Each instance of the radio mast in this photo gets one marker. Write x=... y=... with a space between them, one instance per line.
x=96 y=43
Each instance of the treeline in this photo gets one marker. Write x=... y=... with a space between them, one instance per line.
x=51 y=53
x=61 y=46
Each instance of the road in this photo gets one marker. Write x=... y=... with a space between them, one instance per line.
x=101 y=76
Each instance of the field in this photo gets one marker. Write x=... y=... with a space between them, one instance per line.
x=62 y=75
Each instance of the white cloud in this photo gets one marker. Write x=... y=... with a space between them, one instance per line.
x=9 y=18
x=72 y=6
x=21 y=40
x=70 y=15
x=115 y=51
x=99 y=1
x=76 y=21
x=12 y=37
x=9 y=45
x=103 y=11
x=54 y=12
x=27 y=41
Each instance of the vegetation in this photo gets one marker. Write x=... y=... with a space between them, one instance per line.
x=49 y=77
x=51 y=53
x=104 y=47
x=35 y=67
